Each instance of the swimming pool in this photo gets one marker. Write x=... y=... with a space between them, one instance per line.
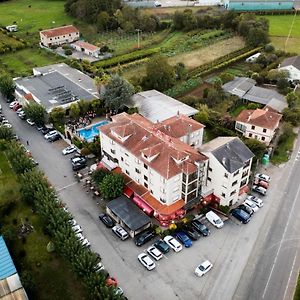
x=91 y=131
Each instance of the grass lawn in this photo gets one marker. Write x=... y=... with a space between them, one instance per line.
x=205 y=55
x=53 y=277
x=6 y=40
x=238 y=109
x=279 y=30
x=20 y=63
x=282 y=152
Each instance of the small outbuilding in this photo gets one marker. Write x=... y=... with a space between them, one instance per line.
x=86 y=48
x=12 y=28
x=128 y=215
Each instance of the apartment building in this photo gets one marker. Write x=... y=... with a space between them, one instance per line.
x=228 y=169
x=170 y=171
x=58 y=36
x=260 y=124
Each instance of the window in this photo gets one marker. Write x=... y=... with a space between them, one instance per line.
x=145 y=166
x=232 y=193
x=234 y=183
x=151 y=192
x=127 y=172
x=253 y=127
x=263 y=138
x=145 y=177
x=250 y=134
x=162 y=190
x=208 y=179
x=210 y=169
x=162 y=200
x=264 y=130
x=236 y=173
x=126 y=154
x=122 y=159
x=223 y=195
x=137 y=170
x=113 y=151
x=226 y=175
x=163 y=180
x=145 y=185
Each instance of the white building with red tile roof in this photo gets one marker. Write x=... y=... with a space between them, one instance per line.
x=260 y=124
x=58 y=36
x=154 y=156
x=87 y=48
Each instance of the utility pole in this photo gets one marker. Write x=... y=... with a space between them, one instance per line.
x=138 y=35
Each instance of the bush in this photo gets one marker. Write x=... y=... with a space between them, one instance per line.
x=68 y=52
x=6 y=208
x=224 y=209
x=77 y=142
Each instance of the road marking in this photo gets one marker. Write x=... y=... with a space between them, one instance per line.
x=66 y=186
x=287 y=285
x=280 y=244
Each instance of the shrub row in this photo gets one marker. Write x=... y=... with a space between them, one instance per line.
x=183 y=88
x=126 y=58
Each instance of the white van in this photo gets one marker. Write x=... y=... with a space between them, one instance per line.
x=214 y=219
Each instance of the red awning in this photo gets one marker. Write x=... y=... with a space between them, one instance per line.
x=128 y=192
x=143 y=205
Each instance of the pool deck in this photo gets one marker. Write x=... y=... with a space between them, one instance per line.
x=95 y=121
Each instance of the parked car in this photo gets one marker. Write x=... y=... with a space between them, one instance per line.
x=73 y=222
x=241 y=215
x=246 y=208
x=191 y=232
x=7 y=125
x=203 y=268
x=19 y=110
x=39 y=127
x=85 y=242
x=22 y=115
x=79 y=236
x=54 y=138
x=118 y=291
x=263 y=177
x=144 y=237
x=200 y=227
x=30 y=122
x=155 y=253
x=259 y=189
x=256 y=200
x=251 y=204
x=17 y=106
x=162 y=246
x=46 y=130
x=146 y=261
x=107 y=220
x=77 y=228
x=157 y=4
x=78 y=162
x=120 y=232
x=69 y=150
x=12 y=104
x=50 y=134
x=173 y=243
x=183 y=238
x=214 y=219
x=262 y=183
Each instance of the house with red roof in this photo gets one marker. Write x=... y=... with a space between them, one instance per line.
x=260 y=124
x=86 y=48
x=58 y=36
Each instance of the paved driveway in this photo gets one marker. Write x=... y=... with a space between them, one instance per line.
x=228 y=248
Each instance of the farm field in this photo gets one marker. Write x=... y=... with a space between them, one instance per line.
x=279 y=30
x=9 y=42
x=205 y=55
x=20 y=63
x=52 y=276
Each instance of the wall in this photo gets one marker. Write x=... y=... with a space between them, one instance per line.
x=59 y=40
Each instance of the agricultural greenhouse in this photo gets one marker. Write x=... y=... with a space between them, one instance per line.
x=259 y=5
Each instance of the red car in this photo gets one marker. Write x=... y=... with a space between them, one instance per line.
x=262 y=183
x=17 y=106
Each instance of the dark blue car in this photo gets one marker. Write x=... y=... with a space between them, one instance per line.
x=183 y=237
x=241 y=215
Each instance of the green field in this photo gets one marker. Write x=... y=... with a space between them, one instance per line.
x=52 y=276
x=20 y=63
x=279 y=30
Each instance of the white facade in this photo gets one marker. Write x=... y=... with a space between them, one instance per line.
x=264 y=135
x=294 y=73
x=226 y=185
x=58 y=37
x=194 y=139
x=90 y=52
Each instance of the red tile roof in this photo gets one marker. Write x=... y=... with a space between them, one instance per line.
x=28 y=96
x=264 y=118
x=59 y=31
x=167 y=155
x=86 y=46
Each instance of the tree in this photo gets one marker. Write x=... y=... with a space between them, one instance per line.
x=257 y=37
x=203 y=115
x=180 y=71
x=118 y=93
x=35 y=112
x=99 y=175
x=292 y=115
x=257 y=147
x=57 y=115
x=97 y=106
x=292 y=99
x=112 y=186
x=6 y=133
x=159 y=74
x=7 y=86
x=84 y=106
x=283 y=85
x=74 y=111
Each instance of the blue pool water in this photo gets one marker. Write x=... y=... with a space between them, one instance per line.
x=90 y=132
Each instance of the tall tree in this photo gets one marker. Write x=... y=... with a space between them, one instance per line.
x=112 y=186
x=159 y=74
x=118 y=93
x=35 y=112
x=7 y=86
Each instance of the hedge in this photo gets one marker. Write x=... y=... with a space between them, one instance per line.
x=126 y=58
x=183 y=88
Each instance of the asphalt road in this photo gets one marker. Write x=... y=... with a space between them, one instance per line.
x=273 y=267
x=242 y=255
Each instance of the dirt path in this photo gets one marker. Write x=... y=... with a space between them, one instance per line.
x=205 y=55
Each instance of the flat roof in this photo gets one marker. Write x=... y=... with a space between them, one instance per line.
x=156 y=106
x=7 y=267
x=52 y=89
x=128 y=212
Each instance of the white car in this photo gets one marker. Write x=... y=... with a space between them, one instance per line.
x=77 y=228
x=12 y=104
x=173 y=243
x=203 y=268
x=85 y=242
x=251 y=204
x=7 y=125
x=50 y=134
x=73 y=222
x=214 y=219
x=263 y=177
x=155 y=253
x=120 y=232
x=99 y=267
x=19 y=110
x=30 y=122
x=69 y=150
x=259 y=189
x=157 y=4
x=79 y=236
x=146 y=261
x=256 y=200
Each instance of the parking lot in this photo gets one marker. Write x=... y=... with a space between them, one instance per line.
x=173 y=278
